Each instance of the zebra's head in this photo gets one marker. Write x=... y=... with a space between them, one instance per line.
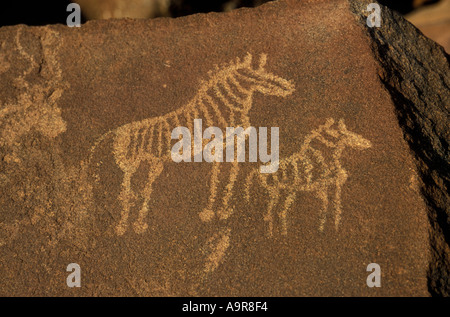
x=247 y=79
x=266 y=82
x=342 y=136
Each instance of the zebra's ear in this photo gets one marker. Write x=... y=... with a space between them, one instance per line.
x=248 y=59
x=262 y=61
x=329 y=122
x=342 y=126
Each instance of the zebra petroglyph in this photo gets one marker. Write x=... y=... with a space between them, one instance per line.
x=308 y=170
x=224 y=101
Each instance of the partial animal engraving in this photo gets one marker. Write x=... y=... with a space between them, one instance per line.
x=36 y=104
x=308 y=170
x=223 y=101
x=32 y=107
x=215 y=249
x=4 y=65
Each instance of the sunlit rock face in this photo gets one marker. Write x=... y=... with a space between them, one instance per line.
x=89 y=121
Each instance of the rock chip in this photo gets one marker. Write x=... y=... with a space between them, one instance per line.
x=87 y=176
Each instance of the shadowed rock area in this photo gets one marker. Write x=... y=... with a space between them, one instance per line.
x=420 y=91
x=86 y=174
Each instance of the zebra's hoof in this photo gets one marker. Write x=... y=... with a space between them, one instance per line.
x=140 y=228
x=206 y=215
x=120 y=230
x=224 y=214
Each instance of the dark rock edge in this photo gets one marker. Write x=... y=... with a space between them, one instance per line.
x=416 y=74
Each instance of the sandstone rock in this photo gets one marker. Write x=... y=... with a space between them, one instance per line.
x=420 y=91
x=86 y=175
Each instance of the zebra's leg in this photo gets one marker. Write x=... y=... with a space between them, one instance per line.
x=124 y=197
x=274 y=196
x=207 y=214
x=283 y=214
x=340 y=181
x=216 y=248
x=140 y=225
x=226 y=211
x=322 y=194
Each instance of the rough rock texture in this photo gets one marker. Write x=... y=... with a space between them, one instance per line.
x=417 y=77
x=86 y=175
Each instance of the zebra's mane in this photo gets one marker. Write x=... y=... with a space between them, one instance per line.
x=224 y=70
x=322 y=130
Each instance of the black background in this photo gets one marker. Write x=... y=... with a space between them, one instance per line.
x=44 y=12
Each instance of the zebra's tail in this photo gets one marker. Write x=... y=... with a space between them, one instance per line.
x=93 y=148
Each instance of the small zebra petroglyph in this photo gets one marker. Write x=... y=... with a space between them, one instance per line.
x=223 y=101
x=308 y=170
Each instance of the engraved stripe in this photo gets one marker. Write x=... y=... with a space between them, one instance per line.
x=230 y=92
x=139 y=140
x=247 y=78
x=238 y=85
x=189 y=122
x=195 y=116
x=216 y=110
x=160 y=138
x=204 y=109
x=132 y=142
x=168 y=135
x=149 y=138
x=176 y=120
x=144 y=138
x=222 y=97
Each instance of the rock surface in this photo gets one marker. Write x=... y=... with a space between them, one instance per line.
x=86 y=175
x=420 y=91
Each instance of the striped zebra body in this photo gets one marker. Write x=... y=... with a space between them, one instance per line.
x=301 y=170
x=151 y=138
